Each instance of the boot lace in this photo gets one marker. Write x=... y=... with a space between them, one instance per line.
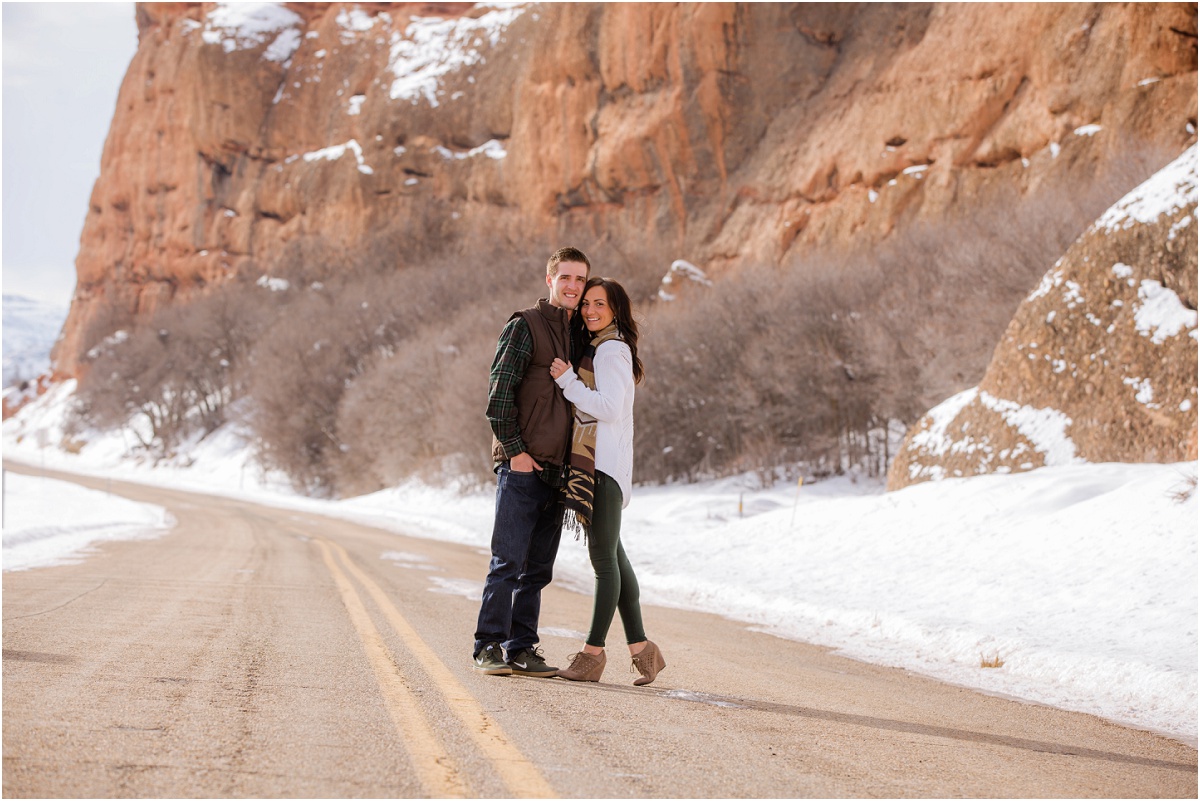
x=583 y=661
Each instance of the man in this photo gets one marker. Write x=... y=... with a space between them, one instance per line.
x=531 y=424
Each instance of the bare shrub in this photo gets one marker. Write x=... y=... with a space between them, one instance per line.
x=107 y=319
x=418 y=410
x=686 y=411
x=171 y=377
x=373 y=374
x=210 y=342
x=1184 y=490
x=130 y=381
x=763 y=370
x=822 y=362
x=994 y=660
x=301 y=367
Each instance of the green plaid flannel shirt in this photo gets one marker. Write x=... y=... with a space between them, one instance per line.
x=514 y=350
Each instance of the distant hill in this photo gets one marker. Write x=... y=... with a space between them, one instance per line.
x=31 y=328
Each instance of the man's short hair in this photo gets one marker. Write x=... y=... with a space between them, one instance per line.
x=567 y=254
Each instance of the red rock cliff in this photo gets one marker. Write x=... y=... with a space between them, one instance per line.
x=731 y=135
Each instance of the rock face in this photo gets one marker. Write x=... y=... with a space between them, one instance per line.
x=732 y=136
x=1099 y=363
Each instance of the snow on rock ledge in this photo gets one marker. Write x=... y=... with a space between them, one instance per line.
x=248 y=26
x=1099 y=363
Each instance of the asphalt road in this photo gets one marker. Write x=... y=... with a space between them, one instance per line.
x=253 y=651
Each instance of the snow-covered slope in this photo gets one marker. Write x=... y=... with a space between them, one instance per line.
x=30 y=330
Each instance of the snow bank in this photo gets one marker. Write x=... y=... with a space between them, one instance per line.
x=48 y=522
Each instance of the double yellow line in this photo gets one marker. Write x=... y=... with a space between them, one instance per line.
x=434 y=766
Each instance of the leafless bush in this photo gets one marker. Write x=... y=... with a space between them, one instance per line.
x=822 y=361
x=763 y=370
x=418 y=409
x=1184 y=490
x=302 y=365
x=172 y=377
x=376 y=374
x=108 y=318
x=128 y=380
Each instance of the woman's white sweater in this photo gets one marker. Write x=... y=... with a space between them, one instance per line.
x=611 y=403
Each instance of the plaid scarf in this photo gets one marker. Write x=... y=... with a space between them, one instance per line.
x=580 y=486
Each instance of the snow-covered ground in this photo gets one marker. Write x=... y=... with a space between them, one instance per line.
x=1080 y=579
x=48 y=522
x=30 y=329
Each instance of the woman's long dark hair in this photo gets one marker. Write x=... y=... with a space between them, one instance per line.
x=622 y=309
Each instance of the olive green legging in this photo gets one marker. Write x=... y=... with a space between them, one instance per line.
x=616 y=585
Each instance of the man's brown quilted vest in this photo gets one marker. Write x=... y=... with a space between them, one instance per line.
x=543 y=414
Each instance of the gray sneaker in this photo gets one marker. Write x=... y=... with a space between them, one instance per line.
x=490 y=660
x=529 y=662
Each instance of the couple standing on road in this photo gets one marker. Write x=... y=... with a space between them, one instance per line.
x=560 y=404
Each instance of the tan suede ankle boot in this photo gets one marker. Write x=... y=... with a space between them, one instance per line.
x=584 y=667
x=648 y=662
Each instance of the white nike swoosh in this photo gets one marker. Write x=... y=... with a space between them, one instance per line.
x=521 y=665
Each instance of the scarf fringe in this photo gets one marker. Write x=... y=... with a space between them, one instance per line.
x=574 y=522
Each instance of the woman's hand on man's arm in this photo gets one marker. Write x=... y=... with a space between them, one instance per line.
x=557 y=368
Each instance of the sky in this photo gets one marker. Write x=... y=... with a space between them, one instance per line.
x=63 y=66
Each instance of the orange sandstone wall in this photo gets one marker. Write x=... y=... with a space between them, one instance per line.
x=737 y=136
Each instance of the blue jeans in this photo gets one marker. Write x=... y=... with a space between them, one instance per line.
x=525 y=539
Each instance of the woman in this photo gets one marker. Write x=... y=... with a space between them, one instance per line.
x=600 y=474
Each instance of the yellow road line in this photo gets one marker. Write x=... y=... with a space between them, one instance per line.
x=522 y=777
x=434 y=767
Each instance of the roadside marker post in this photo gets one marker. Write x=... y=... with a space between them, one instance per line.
x=796 y=502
